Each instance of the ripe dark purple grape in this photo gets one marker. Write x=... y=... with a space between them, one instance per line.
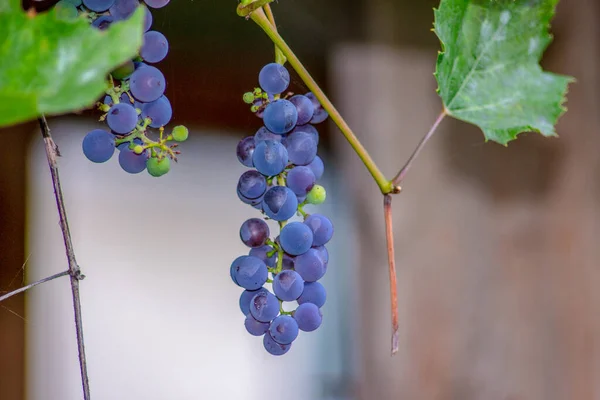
x=280 y=203
x=159 y=111
x=305 y=108
x=254 y=232
x=252 y=185
x=308 y=316
x=254 y=327
x=288 y=285
x=249 y=272
x=314 y=293
x=147 y=83
x=273 y=347
x=264 y=307
x=310 y=266
x=283 y=329
x=301 y=180
x=245 y=149
x=321 y=227
x=155 y=47
x=301 y=148
x=122 y=118
x=246 y=297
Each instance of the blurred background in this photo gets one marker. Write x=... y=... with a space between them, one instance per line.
x=497 y=248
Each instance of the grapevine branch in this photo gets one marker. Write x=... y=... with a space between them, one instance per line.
x=74 y=271
x=400 y=175
x=31 y=285
x=389 y=236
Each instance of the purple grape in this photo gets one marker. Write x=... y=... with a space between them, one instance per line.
x=247 y=296
x=283 y=329
x=245 y=149
x=305 y=108
x=254 y=327
x=154 y=47
x=308 y=128
x=98 y=5
x=254 y=232
x=147 y=19
x=131 y=162
x=264 y=307
x=122 y=118
x=159 y=111
x=98 y=145
x=252 y=185
x=296 y=238
x=320 y=114
x=280 y=116
x=301 y=180
x=308 y=316
x=310 y=266
x=301 y=147
x=275 y=348
x=156 y=3
x=313 y=293
x=274 y=78
x=280 y=203
x=264 y=134
x=249 y=272
x=317 y=167
x=123 y=9
x=270 y=158
x=288 y=285
x=323 y=254
x=147 y=83
x=256 y=203
x=321 y=227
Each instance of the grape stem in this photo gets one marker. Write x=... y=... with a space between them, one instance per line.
x=279 y=57
x=400 y=175
x=389 y=236
x=74 y=271
x=261 y=19
x=34 y=284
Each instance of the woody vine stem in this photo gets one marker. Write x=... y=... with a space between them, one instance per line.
x=260 y=12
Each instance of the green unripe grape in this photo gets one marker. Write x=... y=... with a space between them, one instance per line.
x=248 y=98
x=138 y=149
x=254 y=108
x=158 y=167
x=66 y=10
x=317 y=195
x=123 y=71
x=180 y=133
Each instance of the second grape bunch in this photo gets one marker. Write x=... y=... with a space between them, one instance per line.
x=135 y=101
x=286 y=168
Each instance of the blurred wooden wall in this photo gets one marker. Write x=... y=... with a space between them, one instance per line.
x=12 y=221
x=497 y=248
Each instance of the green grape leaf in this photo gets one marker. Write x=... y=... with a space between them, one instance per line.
x=488 y=72
x=51 y=65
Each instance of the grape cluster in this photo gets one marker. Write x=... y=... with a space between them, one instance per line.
x=283 y=154
x=135 y=100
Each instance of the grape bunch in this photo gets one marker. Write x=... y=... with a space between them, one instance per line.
x=135 y=100
x=286 y=168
